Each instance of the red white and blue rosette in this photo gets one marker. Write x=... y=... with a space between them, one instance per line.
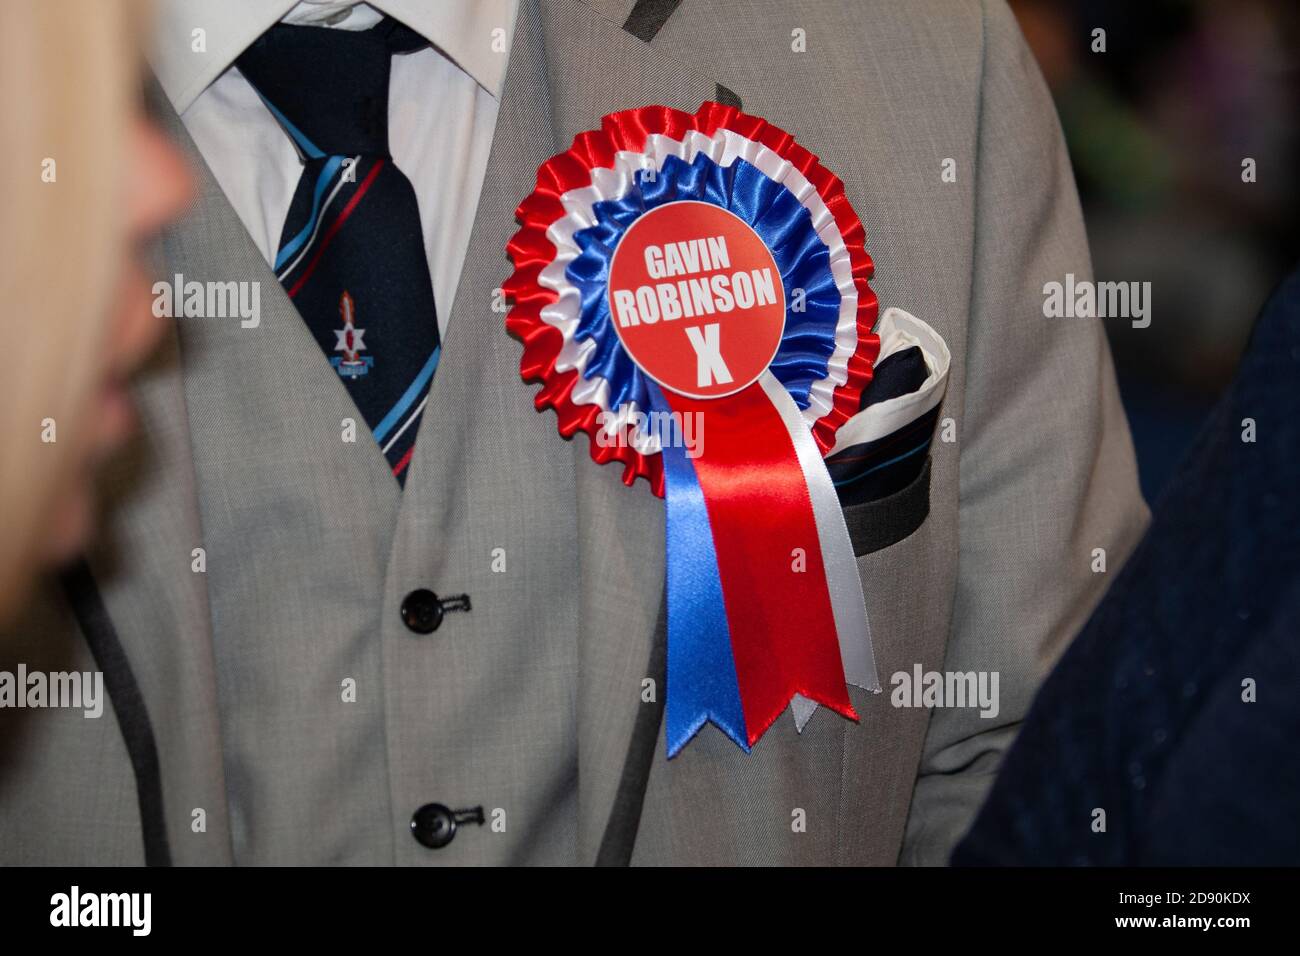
x=707 y=271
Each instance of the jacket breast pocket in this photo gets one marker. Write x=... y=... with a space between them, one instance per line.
x=877 y=524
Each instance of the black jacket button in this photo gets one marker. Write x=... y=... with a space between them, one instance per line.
x=421 y=611
x=434 y=825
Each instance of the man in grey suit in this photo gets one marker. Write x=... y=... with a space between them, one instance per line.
x=309 y=664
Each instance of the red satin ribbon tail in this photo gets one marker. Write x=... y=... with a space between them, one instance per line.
x=770 y=565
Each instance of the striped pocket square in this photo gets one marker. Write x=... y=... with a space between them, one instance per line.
x=883 y=448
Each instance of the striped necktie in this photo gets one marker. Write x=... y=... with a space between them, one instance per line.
x=351 y=253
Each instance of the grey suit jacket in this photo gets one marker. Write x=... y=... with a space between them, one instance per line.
x=270 y=706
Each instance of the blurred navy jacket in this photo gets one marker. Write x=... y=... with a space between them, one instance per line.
x=1144 y=716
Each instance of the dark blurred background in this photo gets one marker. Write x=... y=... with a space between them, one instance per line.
x=1158 y=128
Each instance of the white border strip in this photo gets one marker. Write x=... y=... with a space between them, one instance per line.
x=899 y=330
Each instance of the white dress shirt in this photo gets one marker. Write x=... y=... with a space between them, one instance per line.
x=442 y=109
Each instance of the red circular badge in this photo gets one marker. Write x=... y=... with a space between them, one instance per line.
x=696 y=298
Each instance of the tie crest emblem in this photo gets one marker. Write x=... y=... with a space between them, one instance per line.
x=351 y=364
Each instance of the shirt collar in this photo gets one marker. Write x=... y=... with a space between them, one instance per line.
x=464 y=30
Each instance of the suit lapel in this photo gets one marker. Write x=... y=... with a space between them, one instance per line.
x=595 y=67
x=159 y=606
x=569 y=66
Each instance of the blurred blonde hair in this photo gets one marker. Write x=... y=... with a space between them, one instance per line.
x=69 y=83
